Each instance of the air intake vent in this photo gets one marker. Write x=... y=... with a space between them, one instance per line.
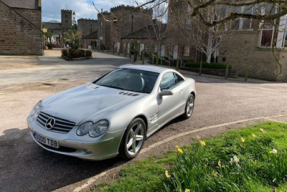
x=128 y=93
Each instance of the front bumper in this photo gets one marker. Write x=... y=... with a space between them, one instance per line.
x=84 y=147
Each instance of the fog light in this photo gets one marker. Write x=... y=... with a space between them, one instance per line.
x=87 y=151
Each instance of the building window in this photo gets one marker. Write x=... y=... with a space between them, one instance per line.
x=101 y=23
x=246 y=23
x=186 y=51
x=155 y=48
x=162 y=51
x=236 y=25
x=268 y=35
x=188 y=24
x=266 y=38
x=128 y=49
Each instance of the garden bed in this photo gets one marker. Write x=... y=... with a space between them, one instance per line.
x=76 y=54
x=250 y=159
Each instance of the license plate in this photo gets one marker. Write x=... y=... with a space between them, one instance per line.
x=46 y=140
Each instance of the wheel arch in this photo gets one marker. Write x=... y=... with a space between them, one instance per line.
x=143 y=117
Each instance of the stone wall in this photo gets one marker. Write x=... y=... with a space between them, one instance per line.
x=19 y=36
x=243 y=53
x=28 y=4
x=104 y=30
x=87 y=26
x=128 y=23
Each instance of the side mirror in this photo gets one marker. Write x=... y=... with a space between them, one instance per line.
x=165 y=93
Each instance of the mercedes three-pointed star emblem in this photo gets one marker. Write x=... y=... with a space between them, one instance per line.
x=50 y=123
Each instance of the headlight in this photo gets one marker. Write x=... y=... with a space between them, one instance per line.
x=36 y=111
x=94 y=129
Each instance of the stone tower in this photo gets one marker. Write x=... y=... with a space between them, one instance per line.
x=67 y=20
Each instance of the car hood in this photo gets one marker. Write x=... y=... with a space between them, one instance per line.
x=87 y=103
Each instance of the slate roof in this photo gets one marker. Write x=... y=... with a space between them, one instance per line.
x=49 y=25
x=93 y=35
x=147 y=32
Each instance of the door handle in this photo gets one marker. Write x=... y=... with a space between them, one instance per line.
x=180 y=92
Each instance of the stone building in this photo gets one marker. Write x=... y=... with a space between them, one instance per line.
x=58 y=28
x=20 y=27
x=109 y=32
x=162 y=39
x=126 y=24
x=147 y=40
x=249 y=49
x=89 y=30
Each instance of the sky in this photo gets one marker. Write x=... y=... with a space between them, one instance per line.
x=51 y=9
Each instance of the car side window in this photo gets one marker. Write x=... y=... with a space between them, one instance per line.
x=169 y=80
x=178 y=78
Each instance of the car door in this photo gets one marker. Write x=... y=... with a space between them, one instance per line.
x=170 y=106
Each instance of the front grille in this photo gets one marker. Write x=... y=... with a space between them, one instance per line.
x=61 y=125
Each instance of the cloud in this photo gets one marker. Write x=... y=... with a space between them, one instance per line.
x=51 y=9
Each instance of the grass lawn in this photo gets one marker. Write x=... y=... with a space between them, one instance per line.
x=249 y=159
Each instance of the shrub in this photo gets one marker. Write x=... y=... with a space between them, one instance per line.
x=50 y=46
x=73 y=53
x=64 y=52
x=75 y=47
x=207 y=65
x=88 y=53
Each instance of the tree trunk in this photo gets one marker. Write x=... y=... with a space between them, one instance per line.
x=209 y=47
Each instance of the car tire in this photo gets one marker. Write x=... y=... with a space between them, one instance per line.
x=189 y=107
x=133 y=139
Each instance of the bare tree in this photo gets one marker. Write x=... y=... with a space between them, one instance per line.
x=156 y=28
x=205 y=39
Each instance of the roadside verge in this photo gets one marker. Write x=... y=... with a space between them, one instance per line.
x=166 y=145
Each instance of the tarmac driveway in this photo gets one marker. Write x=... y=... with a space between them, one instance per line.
x=26 y=167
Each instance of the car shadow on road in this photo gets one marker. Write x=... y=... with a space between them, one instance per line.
x=26 y=166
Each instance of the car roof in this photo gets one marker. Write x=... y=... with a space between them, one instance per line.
x=151 y=68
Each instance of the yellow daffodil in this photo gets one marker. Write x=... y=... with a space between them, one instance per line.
x=198 y=137
x=166 y=174
x=214 y=173
x=187 y=190
x=219 y=164
x=253 y=135
x=180 y=151
x=242 y=139
x=262 y=130
x=274 y=151
x=178 y=147
x=202 y=143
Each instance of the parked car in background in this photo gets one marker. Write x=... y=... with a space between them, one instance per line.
x=112 y=115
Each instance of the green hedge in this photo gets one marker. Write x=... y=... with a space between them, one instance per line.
x=207 y=65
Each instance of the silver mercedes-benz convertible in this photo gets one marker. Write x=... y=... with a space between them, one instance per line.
x=112 y=115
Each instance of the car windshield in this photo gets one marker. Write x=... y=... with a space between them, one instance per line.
x=129 y=80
